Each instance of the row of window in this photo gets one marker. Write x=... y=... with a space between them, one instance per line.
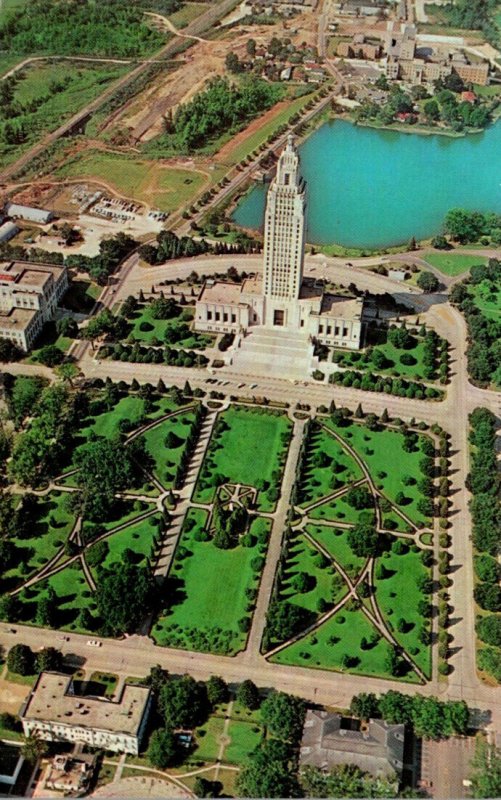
x=224 y=317
x=337 y=330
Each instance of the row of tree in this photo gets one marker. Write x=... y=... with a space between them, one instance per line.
x=398 y=387
x=429 y=717
x=484 y=483
x=484 y=332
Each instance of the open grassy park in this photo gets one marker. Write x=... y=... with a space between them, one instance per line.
x=248 y=446
x=161 y=187
x=207 y=613
x=453 y=264
x=145 y=328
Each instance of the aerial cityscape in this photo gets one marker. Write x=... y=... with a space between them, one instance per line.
x=250 y=376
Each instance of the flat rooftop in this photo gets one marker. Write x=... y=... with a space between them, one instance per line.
x=17 y=319
x=221 y=293
x=25 y=272
x=335 y=305
x=51 y=701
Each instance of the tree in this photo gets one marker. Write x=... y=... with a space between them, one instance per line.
x=162 y=749
x=486 y=769
x=431 y=110
x=183 y=702
x=489 y=630
x=345 y=780
x=67 y=326
x=105 y=467
x=217 y=690
x=269 y=772
x=123 y=597
x=360 y=497
x=364 y=540
x=205 y=788
x=50 y=355
x=21 y=660
x=464 y=226
x=49 y=659
x=427 y=281
x=283 y=714
x=248 y=695
x=364 y=706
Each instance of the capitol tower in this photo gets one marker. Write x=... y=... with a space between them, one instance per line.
x=284 y=241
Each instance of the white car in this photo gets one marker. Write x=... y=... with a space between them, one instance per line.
x=94 y=643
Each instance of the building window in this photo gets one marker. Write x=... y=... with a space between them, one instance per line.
x=209 y=314
x=225 y=317
x=233 y=317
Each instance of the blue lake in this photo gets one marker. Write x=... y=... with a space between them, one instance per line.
x=369 y=188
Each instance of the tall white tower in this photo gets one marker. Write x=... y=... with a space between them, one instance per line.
x=284 y=233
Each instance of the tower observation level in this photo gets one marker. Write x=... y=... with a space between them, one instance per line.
x=284 y=235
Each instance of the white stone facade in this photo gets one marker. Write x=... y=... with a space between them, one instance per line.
x=29 y=296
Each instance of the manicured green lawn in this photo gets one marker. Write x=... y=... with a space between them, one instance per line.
x=123 y=511
x=335 y=541
x=165 y=188
x=394 y=366
x=388 y=463
x=395 y=522
x=130 y=408
x=337 y=510
x=453 y=263
x=207 y=590
x=208 y=738
x=156 y=329
x=244 y=738
x=339 y=636
x=166 y=460
x=326 y=583
x=398 y=597
x=73 y=594
x=139 y=538
x=320 y=481
x=52 y=527
x=251 y=449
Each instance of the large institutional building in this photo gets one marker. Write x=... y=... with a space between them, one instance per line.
x=54 y=712
x=29 y=295
x=282 y=300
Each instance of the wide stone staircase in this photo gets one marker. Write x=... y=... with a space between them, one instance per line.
x=273 y=353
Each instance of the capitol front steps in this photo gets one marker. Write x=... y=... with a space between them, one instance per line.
x=272 y=353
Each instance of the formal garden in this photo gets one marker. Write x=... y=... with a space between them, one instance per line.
x=88 y=515
x=354 y=581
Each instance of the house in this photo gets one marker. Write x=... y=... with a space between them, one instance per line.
x=55 y=713
x=7 y=231
x=330 y=740
x=466 y=97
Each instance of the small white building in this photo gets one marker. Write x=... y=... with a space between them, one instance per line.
x=39 y=215
x=29 y=296
x=54 y=713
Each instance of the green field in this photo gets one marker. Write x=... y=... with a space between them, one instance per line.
x=393 y=355
x=398 y=597
x=339 y=636
x=167 y=459
x=340 y=468
x=157 y=328
x=335 y=541
x=453 y=263
x=164 y=188
x=80 y=85
x=250 y=449
x=206 y=610
x=244 y=738
x=187 y=13
x=338 y=510
x=49 y=534
x=139 y=538
x=388 y=463
x=326 y=583
x=73 y=594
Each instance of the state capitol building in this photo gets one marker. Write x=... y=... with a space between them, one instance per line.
x=287 y=301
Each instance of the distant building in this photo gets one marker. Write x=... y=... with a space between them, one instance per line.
x=39 y=215
x=360 y=8
x=54 y=713
x=69 y=774
x=282 y=299
x=330 y=740
x=359 y=47
x=29 y=296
